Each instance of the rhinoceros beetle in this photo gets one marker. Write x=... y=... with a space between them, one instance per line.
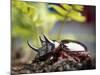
x=65 y=49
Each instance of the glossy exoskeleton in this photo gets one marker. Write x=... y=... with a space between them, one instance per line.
x=57 y=51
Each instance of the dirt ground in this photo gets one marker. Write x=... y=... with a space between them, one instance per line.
x=45 y=66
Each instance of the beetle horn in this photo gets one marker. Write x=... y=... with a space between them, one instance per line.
x=41 y=40
x=47 y=40
x=34 y=48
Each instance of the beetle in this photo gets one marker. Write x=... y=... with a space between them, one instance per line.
x=65 y=49
x=46 y=49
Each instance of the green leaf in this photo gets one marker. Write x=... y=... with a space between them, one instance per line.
x=59 y=9
x=78 y=7
x=76 y=16
x=67 y=7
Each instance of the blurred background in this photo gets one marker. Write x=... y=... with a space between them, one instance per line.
x=56 y=21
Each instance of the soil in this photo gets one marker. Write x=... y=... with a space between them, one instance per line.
x=44 y=66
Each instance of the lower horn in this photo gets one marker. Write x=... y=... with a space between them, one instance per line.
x=34 y=48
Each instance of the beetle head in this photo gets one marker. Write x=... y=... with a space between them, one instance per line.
x=47 y=45
x=45 y=42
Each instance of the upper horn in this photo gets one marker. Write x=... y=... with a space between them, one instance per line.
x=34 y=48
x=50 y=41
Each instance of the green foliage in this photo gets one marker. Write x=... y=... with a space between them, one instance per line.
x=59 y=9
x=72 y=12
x=75 y=15
x=30 y=19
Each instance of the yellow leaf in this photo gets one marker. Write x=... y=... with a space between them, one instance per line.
x=66 y=6
x=59 y=9
x=75 y=15
x=78 y=7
